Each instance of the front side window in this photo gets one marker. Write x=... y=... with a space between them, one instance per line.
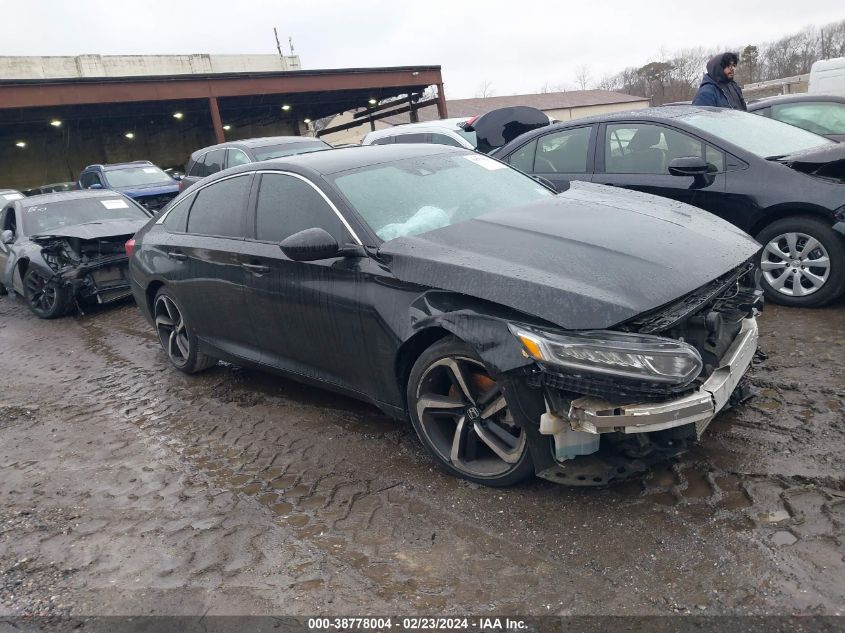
x=643 y=148
x=821 y=117
x=563 y=152
x=420 y=194
x=219 y=208
x=287 y=205
x=384 y=140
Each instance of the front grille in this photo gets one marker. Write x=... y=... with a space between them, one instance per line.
x=605 y=387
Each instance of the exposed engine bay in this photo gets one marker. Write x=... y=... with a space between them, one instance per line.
x=606 y=429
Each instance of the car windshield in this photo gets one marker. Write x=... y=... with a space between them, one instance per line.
x=137 y=176
x=45 y=218
x=416 y=195
x=269 y=152
x=756 y=134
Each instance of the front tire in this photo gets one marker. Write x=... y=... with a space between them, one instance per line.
x=176 y=335
x=46 y=298
x=462 y=417
x=802 y=262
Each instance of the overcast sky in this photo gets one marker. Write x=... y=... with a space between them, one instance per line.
x=517 y=45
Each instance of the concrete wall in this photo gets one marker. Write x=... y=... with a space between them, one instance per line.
x=19 y=67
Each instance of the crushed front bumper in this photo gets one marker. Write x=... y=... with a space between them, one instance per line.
x=595 y=415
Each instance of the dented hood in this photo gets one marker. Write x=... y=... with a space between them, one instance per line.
x=588 y=258
x=94 y=230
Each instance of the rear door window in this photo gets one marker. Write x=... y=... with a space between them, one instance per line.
x=214 y=161
x=198 y=168
x=413 y=138
x=523 y=158
x=220 y=208
x=443 y=139
x=384 y=140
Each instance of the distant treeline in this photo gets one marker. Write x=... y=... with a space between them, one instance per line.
x=676 y=77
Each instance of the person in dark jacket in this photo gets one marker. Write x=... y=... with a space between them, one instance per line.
x=718 y=87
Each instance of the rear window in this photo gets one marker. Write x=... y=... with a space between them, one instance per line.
x=137 y=176
x=44 y=218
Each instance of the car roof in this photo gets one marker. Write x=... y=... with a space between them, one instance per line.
x=63 y=196
x=346 y=158
x=765 y=102
x=449 y=124
x=262 y=141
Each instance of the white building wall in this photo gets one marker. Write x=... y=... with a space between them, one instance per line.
x=19 y=67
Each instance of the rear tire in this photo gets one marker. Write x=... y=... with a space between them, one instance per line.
x=176 y=335
x=802 y=261
x=46 y=298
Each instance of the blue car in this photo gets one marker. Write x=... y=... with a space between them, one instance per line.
x=140 y=180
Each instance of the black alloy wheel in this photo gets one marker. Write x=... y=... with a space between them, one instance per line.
x=176 y=336
x=462 y=417
x=45 y=297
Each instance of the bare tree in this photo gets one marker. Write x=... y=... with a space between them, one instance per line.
x=485 y=89
x=582 y=76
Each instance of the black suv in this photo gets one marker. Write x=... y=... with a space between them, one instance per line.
x=210 y=160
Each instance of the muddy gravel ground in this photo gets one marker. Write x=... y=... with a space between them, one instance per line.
x=127 y=487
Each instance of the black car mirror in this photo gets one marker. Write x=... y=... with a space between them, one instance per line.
x=310 y=245
x=688 y=166
x=7 y=236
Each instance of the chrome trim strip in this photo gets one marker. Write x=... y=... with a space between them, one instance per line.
x=322 y=194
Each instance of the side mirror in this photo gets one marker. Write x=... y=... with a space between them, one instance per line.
x=310 y=245
x=7 y=236
x=688 y=166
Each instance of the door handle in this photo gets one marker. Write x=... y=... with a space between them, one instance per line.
x=256 y=268
x=179 y=257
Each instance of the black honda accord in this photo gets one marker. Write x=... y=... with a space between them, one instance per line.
x=578 y=336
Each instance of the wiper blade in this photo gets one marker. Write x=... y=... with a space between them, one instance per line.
x=777 y=157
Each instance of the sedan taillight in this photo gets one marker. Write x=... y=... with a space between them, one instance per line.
x=130 y=246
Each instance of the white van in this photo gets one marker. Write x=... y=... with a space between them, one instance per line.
x=827 y=76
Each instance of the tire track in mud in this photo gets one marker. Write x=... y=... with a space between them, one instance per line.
x=311 y=461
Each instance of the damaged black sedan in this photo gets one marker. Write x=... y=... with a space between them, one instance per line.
x=59 y=250
x=577 y=336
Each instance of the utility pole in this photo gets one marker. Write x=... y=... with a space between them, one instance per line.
x=279 y=47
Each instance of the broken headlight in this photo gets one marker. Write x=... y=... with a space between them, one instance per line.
x=618 y=354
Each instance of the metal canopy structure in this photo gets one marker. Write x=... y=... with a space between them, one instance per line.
x=308 y=94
